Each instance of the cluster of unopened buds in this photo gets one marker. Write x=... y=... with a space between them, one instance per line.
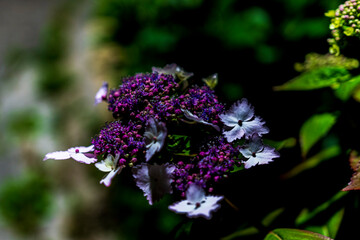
x=176 y=138
x=344 y=22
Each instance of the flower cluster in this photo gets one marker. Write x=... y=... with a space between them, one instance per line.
x=149 y=135
x=344 y=23
x=142 y=96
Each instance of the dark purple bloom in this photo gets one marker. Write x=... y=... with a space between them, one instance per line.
x=118 y=138
x=201 y=103
x=242 y=121
x=213 y=163
x=143 y=96
x=257 y=153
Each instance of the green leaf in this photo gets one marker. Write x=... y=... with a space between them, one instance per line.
x=345 y=90
x=317 y=78
x=294 y=234
x=314 y=129
x=305 y=215
x=179 y=144
x=331 y=227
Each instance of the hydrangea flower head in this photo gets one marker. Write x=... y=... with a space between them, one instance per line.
x=214 y=161
x=79 y=154
x=123 y=139
x=110 y=164
x=197 y=204
x=257 y=153
x=200 y=104
x=155 y=135
x=143 y=96
x=242 y=121
x=155 y=180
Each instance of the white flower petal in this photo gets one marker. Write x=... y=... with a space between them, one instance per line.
x=182 y=207
x=155 y=136
x=264 y=157
x=81 y=149
x=101 y=93
x=108 y=178
x=102 y=166
x=59 y=155
x=79 y=157
x=207 y=206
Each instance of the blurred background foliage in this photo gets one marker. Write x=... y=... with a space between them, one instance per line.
x=256 y=47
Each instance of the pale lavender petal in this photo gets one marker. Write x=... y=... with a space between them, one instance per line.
x=195 y=118
x=207 y=206
x=59 y=155
x=154 y=147
x=101 y=93
x=242 y=110
x=154 y=180
x=155 y=135
x=255 y=145
x=254 y=126
x=79 y=157
x=236 y=133
x=264 y=157
x=108 y=178
x=229 y=119
x=195 y=193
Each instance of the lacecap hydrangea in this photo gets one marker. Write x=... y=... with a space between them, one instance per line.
x=175 y=137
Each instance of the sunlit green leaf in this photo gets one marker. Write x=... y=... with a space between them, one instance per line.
x=317 y=78
x=314 y=129
x=294 y=234
x=345 y=90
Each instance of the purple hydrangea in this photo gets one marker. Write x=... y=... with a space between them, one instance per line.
x=125 y=140
x=212 y=164
x=143 y=96
x=201 y=105
x=241 y=121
